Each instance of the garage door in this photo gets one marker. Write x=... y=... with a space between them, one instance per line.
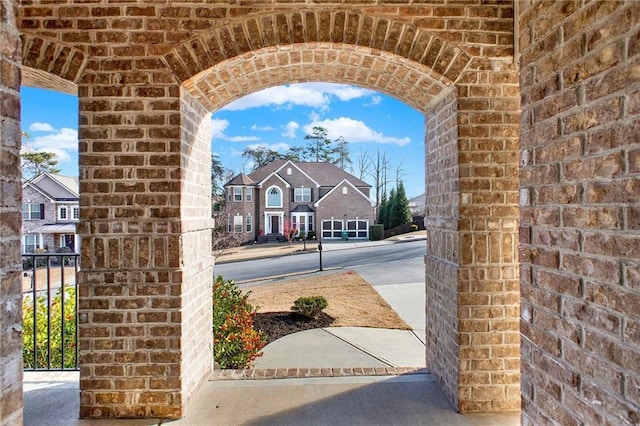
x=358 y=228
x=355 y=228
x=331 y=229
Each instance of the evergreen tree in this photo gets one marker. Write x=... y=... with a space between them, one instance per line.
x=318 y=146
x=35 y=163
x=401 y=213
x=261 y=156
x=341 y=154
x=382 y=206
x=389 y=208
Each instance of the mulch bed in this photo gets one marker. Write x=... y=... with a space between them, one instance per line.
x=278 y=324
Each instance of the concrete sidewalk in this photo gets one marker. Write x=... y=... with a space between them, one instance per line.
x=267 y=250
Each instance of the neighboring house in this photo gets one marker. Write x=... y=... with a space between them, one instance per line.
x=311 y=197
x=50 y=212
x=417 y=205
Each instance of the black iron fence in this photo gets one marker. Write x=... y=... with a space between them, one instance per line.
x=49 y=308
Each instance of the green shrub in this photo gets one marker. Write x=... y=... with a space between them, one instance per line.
x=414 y=227
x=236 y=344
x=309 y=306
x=376 y=232
x=48 y=351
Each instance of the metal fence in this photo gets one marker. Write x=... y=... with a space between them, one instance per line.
x=49 y=307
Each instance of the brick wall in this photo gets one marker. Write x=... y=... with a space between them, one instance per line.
x=580 y=198
x=197 y=258
x=140 y=154
x=10 y=220
x=488 y=279
x=443 y=242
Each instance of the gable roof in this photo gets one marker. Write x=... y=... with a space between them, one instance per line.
x=55 y=187
x=335 y=188
x=323 y=174
x=327 y=174
x=240 y=179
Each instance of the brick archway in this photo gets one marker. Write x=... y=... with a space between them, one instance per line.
x=146 y=91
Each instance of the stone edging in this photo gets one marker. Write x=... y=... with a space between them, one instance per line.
x=290 y=373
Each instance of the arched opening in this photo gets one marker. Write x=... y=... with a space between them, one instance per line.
x=144 y=134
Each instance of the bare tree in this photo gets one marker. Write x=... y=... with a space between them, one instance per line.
x=363 y=164
x=222 y=241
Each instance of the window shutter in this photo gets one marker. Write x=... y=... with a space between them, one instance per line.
x=312 y=195
x=41 y=211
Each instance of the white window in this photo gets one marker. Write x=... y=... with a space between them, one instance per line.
x=237 y=224
x=62 y=213
x=302 y=221
x=237 y=193
x=302 y=195
x=288 y=170
x=32 y=211
x=76 y=213
x=249 y=223
x=30 y=243
x=274 y=197
x=248 y=194
x=344 y=190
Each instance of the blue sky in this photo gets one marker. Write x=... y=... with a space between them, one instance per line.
x=276 y=118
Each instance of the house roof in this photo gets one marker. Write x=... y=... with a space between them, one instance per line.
x=335 y=188
x=55 y=187
x=240 y=179
x=323 y=174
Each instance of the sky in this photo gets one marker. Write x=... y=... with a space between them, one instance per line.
x=275 y=118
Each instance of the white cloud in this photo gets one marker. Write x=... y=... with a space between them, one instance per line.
x=63 y=143
x=219 y=126
x=354 y=131
x=261 y=128
x=375 y=100
x=290 y=130
x=280 y=147
x=41 y=127
x=64 y=139
x=314 y=95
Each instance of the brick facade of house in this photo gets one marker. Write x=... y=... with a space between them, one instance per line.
x=325 y=193
x=562 y=108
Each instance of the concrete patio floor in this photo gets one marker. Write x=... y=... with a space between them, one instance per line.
x=52 y=399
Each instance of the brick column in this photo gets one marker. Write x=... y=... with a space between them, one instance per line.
x=443 y=241
x=472 y=217
x=146 y=264
x=488 y=279
x=10 y=220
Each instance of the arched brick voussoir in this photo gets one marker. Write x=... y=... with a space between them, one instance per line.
x=311 y=27
x=232 y=79
x=44 y=55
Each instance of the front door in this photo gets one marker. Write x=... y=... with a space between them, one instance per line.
x=275 y=224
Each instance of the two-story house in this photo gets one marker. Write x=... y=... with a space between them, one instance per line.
x=50 y=212
x=314 y=198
